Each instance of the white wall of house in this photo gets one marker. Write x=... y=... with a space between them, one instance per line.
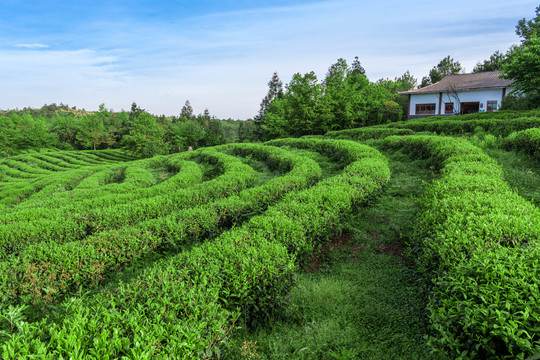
x=482 y=96
x=417 y=99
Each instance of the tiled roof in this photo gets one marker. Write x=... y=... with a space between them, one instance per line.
x=462 y=82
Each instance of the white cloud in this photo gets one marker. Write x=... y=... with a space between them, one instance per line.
x=32 y=46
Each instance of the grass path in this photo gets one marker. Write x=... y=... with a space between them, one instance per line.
x=358 y=299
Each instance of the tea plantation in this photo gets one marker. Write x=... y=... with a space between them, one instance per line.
x=190 y=255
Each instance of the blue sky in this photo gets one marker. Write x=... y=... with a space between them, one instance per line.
x=221 y=54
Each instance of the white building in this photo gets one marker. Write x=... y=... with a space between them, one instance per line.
x=459 y=94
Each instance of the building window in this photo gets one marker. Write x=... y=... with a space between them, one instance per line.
x=492 y=105
x=425 y=108
x=448 y=108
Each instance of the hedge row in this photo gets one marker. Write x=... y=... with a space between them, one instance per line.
x=76 y=199
x=526 y=140
x=480 y=242
x=367 y=133
x=48 y=270
x=501 y=114
x=32 y=171
x=16 y=192
x=186 y=306
x=451 y=125
x=338 y=150
x=17 y=236
x=32 y=225
x=112 y=194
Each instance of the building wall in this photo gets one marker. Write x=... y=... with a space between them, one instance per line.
x=482 y=96
x=424 y=99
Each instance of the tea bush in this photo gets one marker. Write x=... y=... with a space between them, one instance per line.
x=497 y=126
x=478 y=240
x=186 y=306
x=527 y=141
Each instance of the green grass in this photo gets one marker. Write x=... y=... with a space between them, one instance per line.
x=161 y=173
x=264 y=173
x=363 y=301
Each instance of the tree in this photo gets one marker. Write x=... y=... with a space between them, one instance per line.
x=6 y=135
x=453 y=96
x=304 y=93
x=494 y=63
x=336 y=111
x=275 y=91
x=92 y=132
x=275 y=123
x=402 y=83
x=523 y=62
x=357 y=68
x=66 y=129
x=187 y=112
x=527 y=29
x=187 y=133
x=135 y=112
x=523 y=66
x=406 y=81
x=345 y=99
x=446 y=66
x=146 y=138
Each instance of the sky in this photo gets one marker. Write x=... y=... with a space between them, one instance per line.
x=220 y=55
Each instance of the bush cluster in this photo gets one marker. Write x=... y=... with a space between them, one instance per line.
x=367 y=133
x=479 y=241
x=527 y=141
x=497 y=126
x=185 y=306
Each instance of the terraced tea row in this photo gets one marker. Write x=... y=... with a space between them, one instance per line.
x=245 y=270
x=480 y=242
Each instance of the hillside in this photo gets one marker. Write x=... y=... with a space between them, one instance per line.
x=409 y=240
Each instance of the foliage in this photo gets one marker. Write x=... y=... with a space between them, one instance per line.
x=494 y=63
x=186 y=305
x=275 y=91
x=500 y=123
x=94 y=130
x=446 y=66
x=187 y=112
x=367 y=133
x=474 y=235
x=391 y=111
x=523 y=66
x=146 y=138
x=529 y=29
x=402 y=83
x=357 y=300
x=527 y=141
x=345 y=99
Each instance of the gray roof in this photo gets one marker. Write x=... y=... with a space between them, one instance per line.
x=464 y=82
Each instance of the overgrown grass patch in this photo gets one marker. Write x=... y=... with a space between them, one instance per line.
x=361 y=307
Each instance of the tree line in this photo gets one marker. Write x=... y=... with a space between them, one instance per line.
x=344 y=99
x=137 y=131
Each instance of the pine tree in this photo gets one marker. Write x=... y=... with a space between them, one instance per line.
x=356 y=67
x=187 y=111
x=275 y=91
